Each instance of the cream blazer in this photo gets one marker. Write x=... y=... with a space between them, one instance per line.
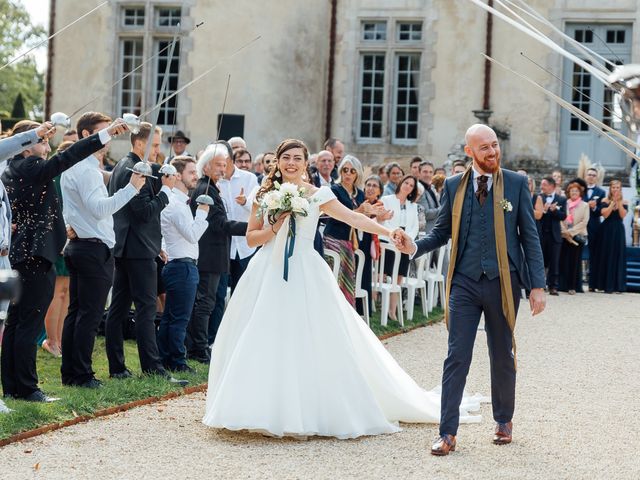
x=580 y=220
x=392 y=203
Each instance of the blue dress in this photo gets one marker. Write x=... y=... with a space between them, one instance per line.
x=610 y=266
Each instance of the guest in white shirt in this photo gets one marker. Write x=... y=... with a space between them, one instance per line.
x=88 y=211
x=405 y=215
x=235 y=188
x=180 y=235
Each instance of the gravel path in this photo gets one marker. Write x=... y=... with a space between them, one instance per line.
x=576 y=417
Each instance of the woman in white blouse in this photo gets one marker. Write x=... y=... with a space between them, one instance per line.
x=405 y=216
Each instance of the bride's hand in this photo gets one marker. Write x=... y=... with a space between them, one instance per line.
x=278 y=225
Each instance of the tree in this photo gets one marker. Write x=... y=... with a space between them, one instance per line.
x=21 y=77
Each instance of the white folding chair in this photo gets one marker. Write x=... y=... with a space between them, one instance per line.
x=335 y=257
x=435 y=279
x=361 y=292
x=417 y=283
x=387 y=287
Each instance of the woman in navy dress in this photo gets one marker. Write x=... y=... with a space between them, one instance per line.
x=610 y=269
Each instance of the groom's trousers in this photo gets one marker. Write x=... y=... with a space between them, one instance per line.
x=468 y=299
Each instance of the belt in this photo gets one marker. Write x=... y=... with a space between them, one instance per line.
x=185 y=260
x=92 y=240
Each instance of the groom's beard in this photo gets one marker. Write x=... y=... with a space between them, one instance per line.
x=489 y=164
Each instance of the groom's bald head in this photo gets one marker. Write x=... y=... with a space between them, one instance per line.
x=483 y=147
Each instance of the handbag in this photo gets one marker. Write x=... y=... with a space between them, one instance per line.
x=580 y=239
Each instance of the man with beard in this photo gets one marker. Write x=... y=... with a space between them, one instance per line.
x=88 y=210
x=138 y=241
x=429 y=200
x=487 y=213
x=180 y=232
x=35 y=245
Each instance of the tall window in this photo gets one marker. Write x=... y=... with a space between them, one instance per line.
x=389 y=81
x=138 y=44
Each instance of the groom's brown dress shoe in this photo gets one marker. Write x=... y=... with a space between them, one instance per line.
x=445 y=444
x=503 y=433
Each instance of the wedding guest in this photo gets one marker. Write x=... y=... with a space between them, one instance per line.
x=325 y=164
x=70 y=135
x=370 y=243
x=237 y=143
x=574 y=233
x=242 y=160
x=394 y=174
x=88 y=212
x=214 y=247
x=10 y=146
x=38 y=239
x=59 y=306
x=610 y=271
x=405 y=216
x=382 y=174
x=178 y=145
x=138 y=243
x=536 y=201
x=180 y=232
x=428 y=201
x=593 y=196
x=554 y=211
x=258 y=166
x=459 y=166
x=414 y=166
x=437 y=182
x=268 y=162
x=336 y=148
x=440 y=171
x=557 y=176
x=340 y=237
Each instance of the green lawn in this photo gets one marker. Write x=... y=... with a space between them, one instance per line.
x=77 y=401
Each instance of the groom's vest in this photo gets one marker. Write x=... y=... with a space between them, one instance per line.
x=478 y=253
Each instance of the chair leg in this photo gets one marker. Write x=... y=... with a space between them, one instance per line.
x=430 y=294
x=442 y=299
x=384 y=310
x=400 y=312
x=411 y=300
x=365 y=307
x=423 y=297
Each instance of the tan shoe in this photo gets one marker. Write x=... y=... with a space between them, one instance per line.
x=503 y=434
x=445 y=444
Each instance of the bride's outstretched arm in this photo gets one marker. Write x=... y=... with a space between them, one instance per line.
x=257 y=233
x=335 y=209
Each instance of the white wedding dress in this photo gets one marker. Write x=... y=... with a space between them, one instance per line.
x=294 y=358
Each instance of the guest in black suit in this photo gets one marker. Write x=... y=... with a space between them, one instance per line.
x=214 y=246
x=325 y=164
x=593 y=196
x=39 y=238
x=138 y=238
x=555 y=210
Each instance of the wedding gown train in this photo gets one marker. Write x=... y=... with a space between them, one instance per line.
x=294 y=358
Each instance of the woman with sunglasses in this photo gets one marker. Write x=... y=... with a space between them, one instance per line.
x=341 y=237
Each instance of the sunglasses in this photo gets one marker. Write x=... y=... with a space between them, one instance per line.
x=352 y=171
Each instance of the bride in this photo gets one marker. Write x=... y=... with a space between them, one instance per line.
x=293 y=358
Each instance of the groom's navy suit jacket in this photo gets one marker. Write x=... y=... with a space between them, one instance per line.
x=523 y=243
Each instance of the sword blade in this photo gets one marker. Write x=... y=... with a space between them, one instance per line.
x=53 y=35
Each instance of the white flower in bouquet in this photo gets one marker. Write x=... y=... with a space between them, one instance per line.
x=300 y=205
x=289 y=189
x=272 y=200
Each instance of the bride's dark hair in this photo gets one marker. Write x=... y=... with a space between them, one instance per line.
x=275 y=174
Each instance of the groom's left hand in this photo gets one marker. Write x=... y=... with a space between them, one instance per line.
x=537 y=300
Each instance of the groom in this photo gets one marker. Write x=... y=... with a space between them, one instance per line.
x=487 y=212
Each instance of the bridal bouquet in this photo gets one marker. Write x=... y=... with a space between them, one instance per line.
x=285 y=198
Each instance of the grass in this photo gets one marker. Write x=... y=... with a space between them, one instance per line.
x=76 y=401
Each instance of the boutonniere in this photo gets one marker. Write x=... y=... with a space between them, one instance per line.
x=506 y=205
